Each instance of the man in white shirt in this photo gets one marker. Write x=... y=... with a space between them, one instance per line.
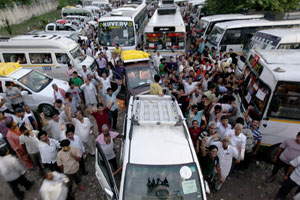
x=226 y=153
x=157 y=58
x=53 y=126
x=83 y=130
x=104 y=79
x=76 y=142
x=223 y=126
x=189 y=85
x=292 y=179
x=84 y=72
x=237 y=139
x=13 y=172
x=48 y=150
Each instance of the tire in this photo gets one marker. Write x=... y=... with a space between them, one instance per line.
x=270 y=152
x=47 y=109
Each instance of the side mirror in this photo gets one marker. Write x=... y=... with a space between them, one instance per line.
x=24 y=93
x=275 y=104
x=109 y=193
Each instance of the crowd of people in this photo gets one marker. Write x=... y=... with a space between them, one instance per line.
x=202 y=80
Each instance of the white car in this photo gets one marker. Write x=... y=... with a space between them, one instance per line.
x=158 y=157
x=36 y=88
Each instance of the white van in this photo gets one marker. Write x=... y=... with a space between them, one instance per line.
x=272 y=87
x=159 y=160
x=36 y=88
x=45 y=53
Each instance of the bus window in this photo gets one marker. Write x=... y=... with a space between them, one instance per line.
x=62 y=58
x=288 y=95
x=163 y=41
x=232 y=37
x=15 y=57
x=40 y=58
x=255 y=93
x=289 y=46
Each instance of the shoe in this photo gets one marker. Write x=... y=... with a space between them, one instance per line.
x=81 y=188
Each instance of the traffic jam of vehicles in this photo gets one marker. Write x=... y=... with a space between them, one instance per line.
x=189 y=99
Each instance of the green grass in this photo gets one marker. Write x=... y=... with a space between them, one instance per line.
x=35 y=23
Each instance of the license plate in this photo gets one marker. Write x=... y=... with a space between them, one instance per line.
x=47 y=68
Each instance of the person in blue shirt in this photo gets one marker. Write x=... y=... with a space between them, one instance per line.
x=111 y=100
x=194 y=114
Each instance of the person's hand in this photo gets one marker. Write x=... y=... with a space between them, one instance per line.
x=237 y=161
x=100 y=85
x=42 y=115
x=63 y=126
x=221 y=180
x=250 y=107
x=204 y=140
x=203 y=118
x=285 y=178
x=119 y=82
x=274 y=159
x=219 y=115
x=217 y=135
x=192 y=115
x=28 y=126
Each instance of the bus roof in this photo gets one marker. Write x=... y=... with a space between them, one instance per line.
x=286 y=36
x=124 y=13
x=286 y=60
x=254 y=23
x=37 y=41
x=214 y=18
x=164 y=21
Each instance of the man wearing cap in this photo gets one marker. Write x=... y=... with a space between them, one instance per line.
x=68 y=159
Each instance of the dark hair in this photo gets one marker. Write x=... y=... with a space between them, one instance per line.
x=156 y=78
x=194 y=106
x=70 y=128
x=71 y=82
x=9 y=124
x=68 y=94
x=194 y=121
x=239 y=120
x=298 y=134
x=75 y=73
x=58 y=101
x=3 y=150
x=218 y=107
x=108 y=89
x=22 y=128
x=211 y=147
x=8 y=84
x=224 y=117
x=65 y=143
x=42 y=133
x=19 y=110
x=99 y=105
x=45 y=172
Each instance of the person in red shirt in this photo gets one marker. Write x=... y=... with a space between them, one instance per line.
x=101 y=115
x=195 y=133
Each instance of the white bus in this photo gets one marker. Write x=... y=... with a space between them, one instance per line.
x=48 y=54
x=206 y=24
x=235 y=34
x=269 y=39
x=165 y=35
x=272 y=88
x=123 y=26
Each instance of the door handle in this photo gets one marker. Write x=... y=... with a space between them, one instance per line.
x=97 y=175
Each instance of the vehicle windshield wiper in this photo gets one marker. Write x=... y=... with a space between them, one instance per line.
x=142 y=85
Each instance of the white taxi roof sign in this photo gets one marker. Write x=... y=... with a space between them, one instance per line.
x=8 y=68
x=134 y=56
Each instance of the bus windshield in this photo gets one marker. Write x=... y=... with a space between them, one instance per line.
x=201 y=27
x=117 y=32
x=256 y=93
x=165 y=41
x=262 y=41
x=288 y=97
x=215 y=35
x=77 y=54
x=162 y=182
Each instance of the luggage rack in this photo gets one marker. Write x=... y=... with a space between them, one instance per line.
x=150 y=109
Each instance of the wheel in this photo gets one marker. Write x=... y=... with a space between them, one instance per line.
x=270 y=152
x=47 y=109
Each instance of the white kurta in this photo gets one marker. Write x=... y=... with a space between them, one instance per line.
x=90 y=93
x=55 y=189
x=225 y=157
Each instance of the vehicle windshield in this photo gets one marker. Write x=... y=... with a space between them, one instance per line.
x=256 y=93
x=138 y=76
x=215 y=35
x=35 y=81
x=258 y=44
x=172 y=182
x=201 y=27
x=117 y=32
x=77 y=54
x=165 y=41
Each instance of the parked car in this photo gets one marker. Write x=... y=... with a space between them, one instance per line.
x=53 y=27
x=36 y=88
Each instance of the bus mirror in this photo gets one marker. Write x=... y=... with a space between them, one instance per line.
x=275 y=104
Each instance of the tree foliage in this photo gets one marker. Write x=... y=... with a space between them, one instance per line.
x=235 y=6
